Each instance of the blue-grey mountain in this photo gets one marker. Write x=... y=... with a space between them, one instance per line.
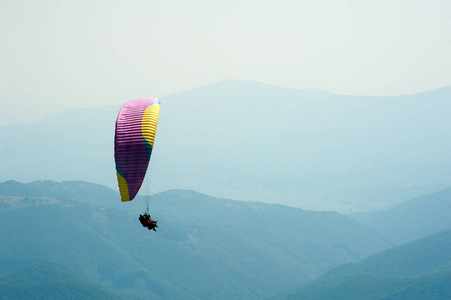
x=417 y=270
x=250 y=141
x=412 y=219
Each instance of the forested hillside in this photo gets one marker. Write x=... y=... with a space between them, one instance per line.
x=204 y=247
x=53 y=281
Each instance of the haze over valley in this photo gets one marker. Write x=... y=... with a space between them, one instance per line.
x=225 y=150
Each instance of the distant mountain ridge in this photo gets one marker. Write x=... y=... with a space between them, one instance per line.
x=78 y=191
x=204 y=247
x=251 y=141
x=412 y=219
x=417 y=270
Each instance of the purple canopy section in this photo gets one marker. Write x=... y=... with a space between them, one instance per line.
x=130 y=153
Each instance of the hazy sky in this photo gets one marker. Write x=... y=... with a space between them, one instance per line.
x=62 y=54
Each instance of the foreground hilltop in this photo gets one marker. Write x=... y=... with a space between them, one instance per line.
x=205 y=247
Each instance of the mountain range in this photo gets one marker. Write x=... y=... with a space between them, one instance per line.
x=246 y=140
x=205 y=247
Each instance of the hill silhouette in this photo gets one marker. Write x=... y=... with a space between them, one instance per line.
x=417 y=270
x=412 y=219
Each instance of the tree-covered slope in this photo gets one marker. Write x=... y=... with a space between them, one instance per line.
x=204 y=247
x=54 y=281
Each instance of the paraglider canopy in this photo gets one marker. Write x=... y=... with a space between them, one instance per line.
x=136 y=126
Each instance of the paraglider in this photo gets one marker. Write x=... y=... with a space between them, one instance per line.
x=136 y=126
x=147 y=221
